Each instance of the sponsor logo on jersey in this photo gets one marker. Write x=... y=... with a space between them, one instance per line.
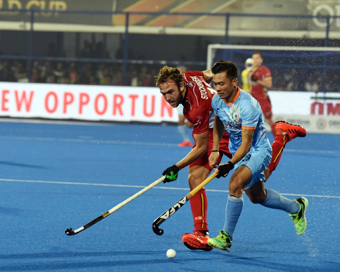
x=199 y=118
x=235 y=114
x=201 y=87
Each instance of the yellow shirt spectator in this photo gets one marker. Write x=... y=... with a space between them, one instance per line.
x=246 y=84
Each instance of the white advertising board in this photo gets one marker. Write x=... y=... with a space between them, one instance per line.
x=318 y=113
x=82 y=102
x=305 y=103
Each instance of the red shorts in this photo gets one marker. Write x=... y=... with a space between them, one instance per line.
x=224 y=150
x=266 y=107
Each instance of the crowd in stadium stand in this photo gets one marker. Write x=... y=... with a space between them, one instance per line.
x=143 y=75
x=80 y=73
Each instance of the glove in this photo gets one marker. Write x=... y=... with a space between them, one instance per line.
x=170 y=173
x=253 y=78
x=224 y=169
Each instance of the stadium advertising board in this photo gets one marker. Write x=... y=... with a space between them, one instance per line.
x=305 y=103
x=107 y=103
x=318 y=113
x=57 y=5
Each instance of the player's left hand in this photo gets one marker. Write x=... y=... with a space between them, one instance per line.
x=224 y=169
x=253 y=78
x=171 y=173
x=213 y=159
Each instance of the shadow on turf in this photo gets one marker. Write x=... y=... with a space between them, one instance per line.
x=11 y=211
x=22 y=165
x=220 y=257
x=74 y=265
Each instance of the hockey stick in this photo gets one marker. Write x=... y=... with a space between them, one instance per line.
x=178 y=205
x=69 y=231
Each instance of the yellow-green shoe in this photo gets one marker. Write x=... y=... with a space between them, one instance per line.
x=299 y=218
x=222 y=241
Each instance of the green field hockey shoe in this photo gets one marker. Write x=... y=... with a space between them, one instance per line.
x=299 y=218
x=222 y=241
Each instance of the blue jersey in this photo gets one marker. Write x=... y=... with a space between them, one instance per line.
x=243 y=112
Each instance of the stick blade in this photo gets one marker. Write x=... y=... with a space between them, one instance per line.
x=69 y=232
x=157 y=230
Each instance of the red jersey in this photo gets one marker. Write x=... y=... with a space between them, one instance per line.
x=257 y=91
x=197 y=105
x=198 y=110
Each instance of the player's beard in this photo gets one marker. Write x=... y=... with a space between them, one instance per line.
x=175 y=103
x=230 y=95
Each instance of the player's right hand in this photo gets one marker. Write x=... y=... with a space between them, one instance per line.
x=171 y=173
x=224 y=169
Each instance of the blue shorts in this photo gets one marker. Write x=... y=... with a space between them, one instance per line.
x=257 y=161
x=180 y=109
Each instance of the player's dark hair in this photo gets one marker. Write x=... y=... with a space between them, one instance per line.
x=257 y=53
x=169 y=73
x=225 y=66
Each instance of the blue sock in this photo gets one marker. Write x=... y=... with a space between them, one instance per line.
x=276 y=201
x=232 y=213
x=183 y=131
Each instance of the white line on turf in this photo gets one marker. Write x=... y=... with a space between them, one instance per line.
x=139 y=186
x=87 y=141
x=57 y=122
x=83 y=140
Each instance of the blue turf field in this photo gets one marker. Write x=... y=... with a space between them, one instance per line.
x=55 y=176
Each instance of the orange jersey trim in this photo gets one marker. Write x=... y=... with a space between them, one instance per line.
x=236 y=96
x=252 y=128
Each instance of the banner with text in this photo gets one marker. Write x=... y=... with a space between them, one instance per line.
x=304 y=103
x=107 y=103
x=316 y=112
x=13 y=12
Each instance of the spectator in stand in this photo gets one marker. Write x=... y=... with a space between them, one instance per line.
x=53 y=79
x=148 y=80
x=334 y=82
x=294 y=83
x=311 y=85
x=66 y=79
x=73 y=75
x=35 y=75
x=92 y=80
x=134 y=78
x=118 y=78
x=49 y=74
x=105 y=78
x=100 y=73
x=59 y=72
x=24 y=78
x=142 y=74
